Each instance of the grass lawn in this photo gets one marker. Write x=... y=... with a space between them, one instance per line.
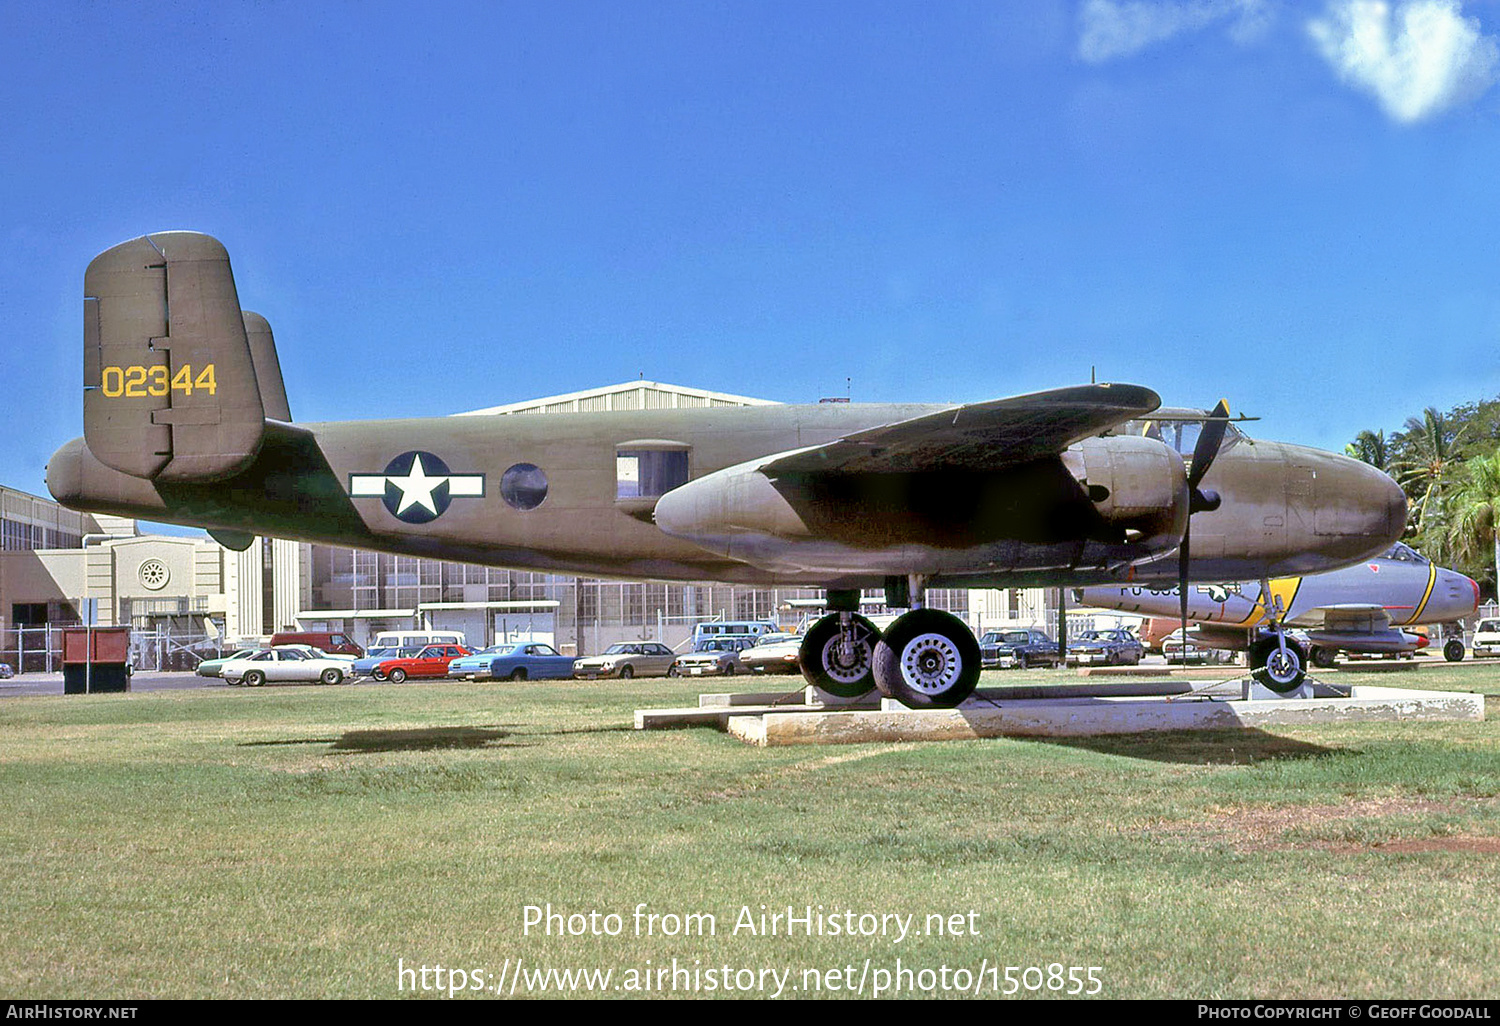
x=306 y=841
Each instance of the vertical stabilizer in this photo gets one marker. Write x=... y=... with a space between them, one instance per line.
x=267 y=367
x=170 y=389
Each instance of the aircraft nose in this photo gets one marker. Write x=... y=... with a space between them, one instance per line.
x=1358 y=501
x=1454 y=594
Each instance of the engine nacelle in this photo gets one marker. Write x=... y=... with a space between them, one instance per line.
x=1137 y=485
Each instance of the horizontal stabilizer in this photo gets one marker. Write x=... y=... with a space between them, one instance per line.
x=170 y=390
x=980 y=437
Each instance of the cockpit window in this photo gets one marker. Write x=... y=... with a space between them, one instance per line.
x=1404 y=553
x=1181 y=435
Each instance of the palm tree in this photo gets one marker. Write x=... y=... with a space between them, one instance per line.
x=1371 y=447
x=1430 y=449
x=1476 y=511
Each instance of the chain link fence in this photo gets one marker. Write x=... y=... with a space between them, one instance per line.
x=39 y=649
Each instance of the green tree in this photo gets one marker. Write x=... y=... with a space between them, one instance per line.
x=1428 y=454
x=1475 y=512
x=1371 y=447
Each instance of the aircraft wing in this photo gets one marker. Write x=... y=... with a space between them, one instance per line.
x=1347 y=617
x=979 y=436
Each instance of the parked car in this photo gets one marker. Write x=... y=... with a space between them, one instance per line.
x=1171 y=650
x=773 y=653
x=1114 y=647
x=712 y=656
x=431 y=661
x=1487 y=638
x=366 y=666
x=331 y=642
x=285 y=665
x=212 y=667
x=512 y=660
x=627 y=659
x=1018 y=648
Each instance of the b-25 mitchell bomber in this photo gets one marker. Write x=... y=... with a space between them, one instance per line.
x=186 y=421
x=1359 y=608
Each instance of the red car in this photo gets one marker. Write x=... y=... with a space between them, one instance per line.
x=432 y=661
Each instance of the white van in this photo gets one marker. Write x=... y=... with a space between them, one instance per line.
x=731 y=628
x=417 y=639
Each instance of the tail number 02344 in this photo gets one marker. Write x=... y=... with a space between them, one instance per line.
x=139 y=382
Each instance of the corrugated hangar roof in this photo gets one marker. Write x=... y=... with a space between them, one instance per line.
x=628 y=395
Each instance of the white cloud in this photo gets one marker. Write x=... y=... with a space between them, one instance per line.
x=1418 y=61
x=1118 y=28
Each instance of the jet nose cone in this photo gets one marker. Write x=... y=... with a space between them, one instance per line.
x=1454 y=595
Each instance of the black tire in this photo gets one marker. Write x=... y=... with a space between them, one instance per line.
x=376 y=675
x=673 y=671
x=518 y=674
x=729 y=669
x=1268 y=668
x=397 y=675
x=330 y=676
x=928 y=659
x=1022 y=663
x=627 y=671
x=821 y=661
x=254 y=679
x=1453 y=650
x=1322 y=657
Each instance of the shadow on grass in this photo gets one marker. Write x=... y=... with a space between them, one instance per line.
x=1195 y=747
x=430 y=739
x=424 y=739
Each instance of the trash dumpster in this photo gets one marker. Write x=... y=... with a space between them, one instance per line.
x=96 y=659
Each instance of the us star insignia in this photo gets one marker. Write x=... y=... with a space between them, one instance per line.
x=417 y=487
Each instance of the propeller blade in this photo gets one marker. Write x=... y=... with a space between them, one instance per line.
x=1209 y=440
x=1182 y=586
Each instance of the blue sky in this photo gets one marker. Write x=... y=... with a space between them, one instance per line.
x=450 y=206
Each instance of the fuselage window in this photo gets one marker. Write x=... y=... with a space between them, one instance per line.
x=523 y=486
x=649 y=473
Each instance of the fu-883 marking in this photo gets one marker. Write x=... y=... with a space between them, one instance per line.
x=138 y=382
x=1215 y=592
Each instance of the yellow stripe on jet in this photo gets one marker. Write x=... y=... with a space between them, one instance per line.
x=1431 y=580
x=1284 y=592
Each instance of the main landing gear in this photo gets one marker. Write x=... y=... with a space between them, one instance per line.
x=927 y=659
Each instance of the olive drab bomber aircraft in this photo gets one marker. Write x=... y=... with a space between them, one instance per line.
x=186 y=421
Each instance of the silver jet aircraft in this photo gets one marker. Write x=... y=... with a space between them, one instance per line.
x=1360 y=608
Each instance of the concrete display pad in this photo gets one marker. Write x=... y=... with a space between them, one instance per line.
x=1068 y=711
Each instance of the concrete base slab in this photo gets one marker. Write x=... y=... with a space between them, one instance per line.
x=1093 y=715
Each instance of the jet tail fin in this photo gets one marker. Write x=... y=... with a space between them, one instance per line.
x=171 y=388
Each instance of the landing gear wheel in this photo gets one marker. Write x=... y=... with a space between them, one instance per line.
x=1283 y=674
x=1453 y=650
x=397 y=675
x=330 y=676
x=928 y=659
x=839 y=669
x=1322 y=657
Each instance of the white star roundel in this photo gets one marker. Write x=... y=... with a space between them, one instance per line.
x=417 y=486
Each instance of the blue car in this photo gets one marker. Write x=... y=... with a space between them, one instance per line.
x=525 y=660
x=365 y=667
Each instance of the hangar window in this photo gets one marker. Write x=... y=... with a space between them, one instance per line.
x=649 y=470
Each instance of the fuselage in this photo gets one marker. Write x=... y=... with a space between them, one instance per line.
x=576 y=493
